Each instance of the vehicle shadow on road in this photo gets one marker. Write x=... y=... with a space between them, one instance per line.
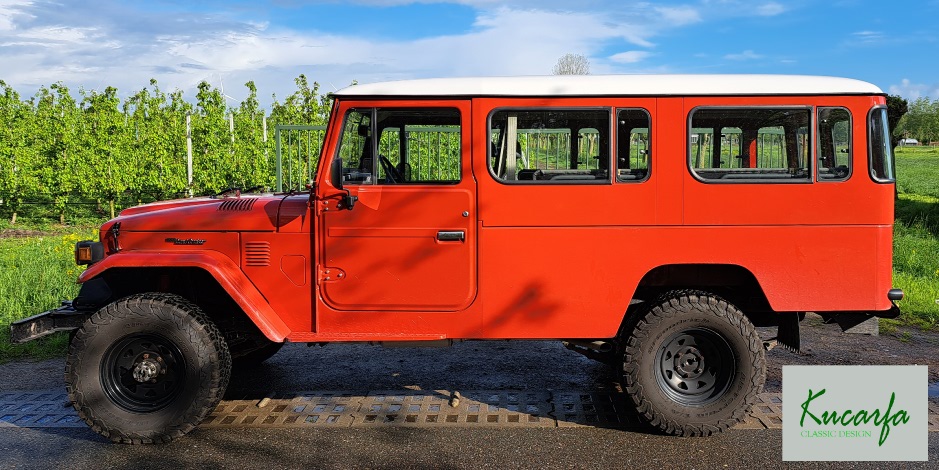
x=518 y=383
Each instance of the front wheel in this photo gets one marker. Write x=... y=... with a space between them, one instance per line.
x=693 y=364
x=147 y=368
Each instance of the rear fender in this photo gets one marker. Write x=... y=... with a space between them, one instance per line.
x=222 y=268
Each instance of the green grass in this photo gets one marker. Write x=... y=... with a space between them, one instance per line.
x=36 y=274
x=916 y=235
x=918 y=171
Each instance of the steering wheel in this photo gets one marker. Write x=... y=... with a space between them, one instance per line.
x=392 y=175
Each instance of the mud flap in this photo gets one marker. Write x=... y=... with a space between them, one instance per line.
x=787 y=333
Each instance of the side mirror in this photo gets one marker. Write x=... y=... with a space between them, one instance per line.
x=335 y=177
x=335 y=174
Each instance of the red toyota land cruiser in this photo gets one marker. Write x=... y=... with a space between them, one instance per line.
x=649 y=221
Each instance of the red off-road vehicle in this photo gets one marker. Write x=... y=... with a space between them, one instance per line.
x=650 y=221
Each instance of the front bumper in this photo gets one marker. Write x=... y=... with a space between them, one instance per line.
x=64 y=318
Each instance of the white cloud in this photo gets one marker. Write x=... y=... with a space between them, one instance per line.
x=630 y=57
x=912 y=91
x=679 y=16
x=866 y=37
x=770 y=9
x=745 y=55
x=111 y=42
x=9 y=11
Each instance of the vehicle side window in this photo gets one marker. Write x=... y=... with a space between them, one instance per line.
x=355 y=146
x=750 y=145
x=415 y=146
x=633 y=145
x=881 y=153
x=834 y=144
x=418 y=146
x=550 y=146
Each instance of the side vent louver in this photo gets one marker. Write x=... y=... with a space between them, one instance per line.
x=239 y=204
x=257 y=254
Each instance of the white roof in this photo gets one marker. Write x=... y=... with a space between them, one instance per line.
x=616 y=85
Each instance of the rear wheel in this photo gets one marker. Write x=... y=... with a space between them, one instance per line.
x=147 y=368
x=693 y=364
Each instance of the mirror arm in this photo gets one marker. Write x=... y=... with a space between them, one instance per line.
x=348 y=201
x=335 y=176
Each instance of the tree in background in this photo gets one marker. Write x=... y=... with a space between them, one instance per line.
x=921 y=122
x=57 y=139
x=157 y=143
x=212 y=147
x=896 y=108
x=17 y=175
x=572 y=64
x=105 y=166
x=304 y=106
x=251 y=144
x=56 y=150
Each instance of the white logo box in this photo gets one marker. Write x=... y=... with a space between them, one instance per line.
x=855 y=413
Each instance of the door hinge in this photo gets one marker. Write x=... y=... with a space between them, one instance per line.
x=328 y=274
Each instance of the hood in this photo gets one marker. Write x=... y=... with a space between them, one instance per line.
x=162 y=205
x=255 y=213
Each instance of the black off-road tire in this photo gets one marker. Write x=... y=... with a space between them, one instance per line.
x=693 y=364
x=170 y=331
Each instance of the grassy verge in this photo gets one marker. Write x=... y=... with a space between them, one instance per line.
x=916 y=235
x=37 y=272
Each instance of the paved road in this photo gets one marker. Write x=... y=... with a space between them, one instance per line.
x=400 y=447
x=504 y=366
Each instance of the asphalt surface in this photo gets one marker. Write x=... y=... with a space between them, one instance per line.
x=521 y=365
x=396 y=447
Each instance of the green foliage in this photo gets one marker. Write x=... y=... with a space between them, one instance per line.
x=304 y=106
x=18 y=160
x=897 y=107
x=156 y=143
x=58 y=149
x=921 y=122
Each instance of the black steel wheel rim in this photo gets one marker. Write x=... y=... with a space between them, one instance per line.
x=695 y=367
x=143 y=373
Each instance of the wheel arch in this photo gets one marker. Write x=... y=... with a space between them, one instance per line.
x=209 y=280
x=736 y=284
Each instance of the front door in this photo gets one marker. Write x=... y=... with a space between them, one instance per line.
x=408 y=243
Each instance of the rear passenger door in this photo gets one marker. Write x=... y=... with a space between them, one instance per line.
x=564 y=187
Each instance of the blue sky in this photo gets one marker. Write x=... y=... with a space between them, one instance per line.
x=92 y=44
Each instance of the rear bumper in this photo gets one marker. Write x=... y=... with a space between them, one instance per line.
x=64 y=318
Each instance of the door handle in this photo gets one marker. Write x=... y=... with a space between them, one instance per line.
x=451 y=236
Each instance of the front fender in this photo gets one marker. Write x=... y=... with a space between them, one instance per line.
x=223 y=269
